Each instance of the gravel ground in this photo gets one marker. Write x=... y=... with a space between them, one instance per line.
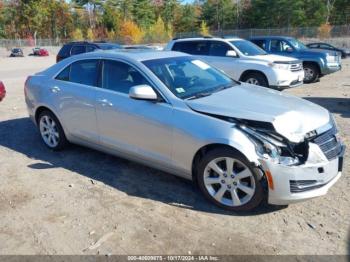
x=80 y=201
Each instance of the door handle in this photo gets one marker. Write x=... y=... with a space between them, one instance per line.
x=105 y=102
x=55 y=89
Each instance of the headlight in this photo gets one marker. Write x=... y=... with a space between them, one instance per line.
x=269 y=147
x=330 y=58
x=281 y=66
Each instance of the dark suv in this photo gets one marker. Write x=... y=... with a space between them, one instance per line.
x=75 y=48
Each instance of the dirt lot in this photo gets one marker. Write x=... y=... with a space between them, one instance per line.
x=63 y=203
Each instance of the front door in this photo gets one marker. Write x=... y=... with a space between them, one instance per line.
x=218 y=58
x=138 y=128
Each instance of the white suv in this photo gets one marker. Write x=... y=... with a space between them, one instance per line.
x=243 y=61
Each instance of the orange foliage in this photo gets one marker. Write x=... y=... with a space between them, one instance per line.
x=131 y=33
x=324 y=31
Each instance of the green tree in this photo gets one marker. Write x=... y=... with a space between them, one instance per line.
x=143 y=13
x=111 y=17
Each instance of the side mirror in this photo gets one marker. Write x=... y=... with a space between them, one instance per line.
x=231 y=53
x=143 y=92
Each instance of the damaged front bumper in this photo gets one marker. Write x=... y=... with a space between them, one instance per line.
x=290 y=184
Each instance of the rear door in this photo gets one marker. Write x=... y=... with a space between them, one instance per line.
x=73 y=95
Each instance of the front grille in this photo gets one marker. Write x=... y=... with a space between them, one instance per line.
x=298 y=186
x=296 y=67
x=328 y=143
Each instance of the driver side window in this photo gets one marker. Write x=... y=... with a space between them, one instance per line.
x=280 y=46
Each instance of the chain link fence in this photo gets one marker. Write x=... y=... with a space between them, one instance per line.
x=338 y=35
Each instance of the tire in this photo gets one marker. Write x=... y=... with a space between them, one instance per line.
x=230 y=185
x=255 y=78
x=312 y=73
x=51 y=131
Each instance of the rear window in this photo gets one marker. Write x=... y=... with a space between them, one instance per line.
x=192 y=47
x=82 y=72
x=78 y=49
x=65 y=50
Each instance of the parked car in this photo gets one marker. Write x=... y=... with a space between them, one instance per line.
x=2 y=91
x=316 y=63
x=16 y=52
x=343 y=51
x=243 y=61
x=75 y=48
x=38 y=51
x=177 y=113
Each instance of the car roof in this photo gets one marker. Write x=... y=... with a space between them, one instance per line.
x=134 y=54
x=205 y=38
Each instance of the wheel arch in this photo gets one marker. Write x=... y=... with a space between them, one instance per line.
x=313 y=63
x=41 y=109
x=250 y=71
x=206 y=148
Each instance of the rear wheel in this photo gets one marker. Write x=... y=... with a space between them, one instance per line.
x=51 y=131
x=229 y=180
x=255 y=79
x=311 y=73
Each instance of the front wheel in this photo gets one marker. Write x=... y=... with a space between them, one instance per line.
x=51 y=131
x=255 y=79
x=311 y=73
x=228 y=180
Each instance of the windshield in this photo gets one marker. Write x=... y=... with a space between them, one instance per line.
x=297 y=44
x=189 y=78
x=248 y=48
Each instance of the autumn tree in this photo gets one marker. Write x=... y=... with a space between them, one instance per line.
x=130 y=33
x=158 y=33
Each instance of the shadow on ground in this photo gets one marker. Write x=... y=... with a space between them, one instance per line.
x=134 y=179
x=333 y=104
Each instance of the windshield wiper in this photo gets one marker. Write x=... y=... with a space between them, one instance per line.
x=199 y=95
x=203 y=94
x=220 y=88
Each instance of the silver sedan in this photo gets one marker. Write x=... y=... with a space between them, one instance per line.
x=171 y=111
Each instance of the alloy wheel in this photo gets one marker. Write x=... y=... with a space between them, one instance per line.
x=49 y=131
x=309 y=73
x=229 y=181
x=252 y=81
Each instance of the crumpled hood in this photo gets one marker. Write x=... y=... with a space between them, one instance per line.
x=292 y=117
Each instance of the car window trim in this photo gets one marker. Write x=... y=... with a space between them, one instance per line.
x=152 y=84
